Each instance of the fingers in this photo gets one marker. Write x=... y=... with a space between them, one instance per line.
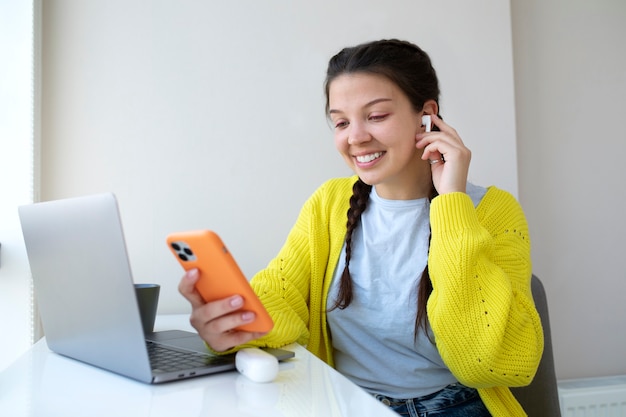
x=228 y=341
x=445 y=143
x=187 y=287
x=449 y=157
x=443 y=126
x=216 y=321
x=445 y=137
x=220 y=316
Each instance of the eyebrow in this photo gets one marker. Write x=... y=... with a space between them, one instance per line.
x=369 y=104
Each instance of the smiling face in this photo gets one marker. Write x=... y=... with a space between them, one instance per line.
x=375 y=127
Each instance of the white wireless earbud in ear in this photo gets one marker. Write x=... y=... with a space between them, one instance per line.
x=426 y=121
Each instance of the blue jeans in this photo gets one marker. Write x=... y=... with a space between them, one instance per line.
x=455 y=400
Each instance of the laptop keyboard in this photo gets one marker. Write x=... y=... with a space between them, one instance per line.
x=165 y=359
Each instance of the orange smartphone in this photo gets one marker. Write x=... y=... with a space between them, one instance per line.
x=220 y=276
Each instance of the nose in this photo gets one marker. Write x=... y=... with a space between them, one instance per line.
x=358 y=134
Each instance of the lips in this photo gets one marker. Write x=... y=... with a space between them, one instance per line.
x=369 y=157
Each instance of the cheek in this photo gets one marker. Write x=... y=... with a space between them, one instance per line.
x=406 y=147
x=341 y=142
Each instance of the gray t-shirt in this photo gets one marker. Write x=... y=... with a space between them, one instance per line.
x=373 y=339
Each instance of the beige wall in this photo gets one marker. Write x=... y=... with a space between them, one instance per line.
x=570 y=82
x=211 y=114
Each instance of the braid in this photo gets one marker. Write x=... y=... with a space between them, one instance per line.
x=424 y=289
x=358 y=204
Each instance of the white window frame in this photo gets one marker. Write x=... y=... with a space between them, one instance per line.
x=19 y=169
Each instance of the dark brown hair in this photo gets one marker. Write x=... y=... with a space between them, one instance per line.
x=410 y=68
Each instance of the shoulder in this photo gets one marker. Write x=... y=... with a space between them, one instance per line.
x=496 y=199
x=336 y=190
x=491 y=198
x=330 y=199
x=338 y=185
x=476 y=192
x=323 y=215
x=491 y=207
x=500 y=212
x=486 y=195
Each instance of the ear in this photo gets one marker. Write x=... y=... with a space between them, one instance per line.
x=431 y=107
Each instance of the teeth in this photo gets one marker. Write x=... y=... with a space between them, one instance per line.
x=369 y=158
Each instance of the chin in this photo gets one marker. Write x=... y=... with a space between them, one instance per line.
x=368 y=179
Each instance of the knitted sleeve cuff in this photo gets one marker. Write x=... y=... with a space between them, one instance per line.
x=453 y=211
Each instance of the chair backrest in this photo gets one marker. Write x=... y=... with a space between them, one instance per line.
x=541 y=397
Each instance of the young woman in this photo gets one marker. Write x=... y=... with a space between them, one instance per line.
x=406 y=278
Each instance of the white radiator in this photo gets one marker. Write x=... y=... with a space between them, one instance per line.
x=593 y=397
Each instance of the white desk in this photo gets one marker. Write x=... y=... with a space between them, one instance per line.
x=42 y=383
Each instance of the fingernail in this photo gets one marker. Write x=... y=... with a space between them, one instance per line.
x=192 y=273
x=236 y=301
x=247 y=316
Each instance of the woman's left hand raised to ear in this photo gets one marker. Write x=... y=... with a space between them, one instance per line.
x=449 y=158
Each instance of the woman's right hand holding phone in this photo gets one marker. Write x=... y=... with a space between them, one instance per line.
x=216 y=321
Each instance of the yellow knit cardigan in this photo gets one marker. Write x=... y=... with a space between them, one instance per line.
x=481 y=310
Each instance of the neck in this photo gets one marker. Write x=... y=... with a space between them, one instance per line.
x=412 y=191
x=415 y=185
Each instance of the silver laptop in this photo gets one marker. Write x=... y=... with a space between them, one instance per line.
x=86 y=296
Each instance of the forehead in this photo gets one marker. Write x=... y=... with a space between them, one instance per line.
x=349 y=90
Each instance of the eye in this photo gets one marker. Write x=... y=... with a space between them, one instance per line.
x=339 y=124
x=378 y=117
